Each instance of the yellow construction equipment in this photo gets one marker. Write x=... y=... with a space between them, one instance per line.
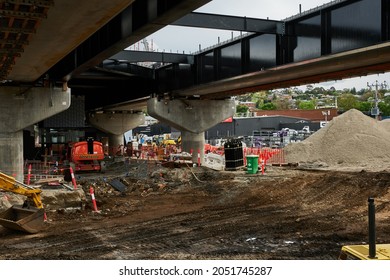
x=372 y=251
x=361 y=252
x=24 y=217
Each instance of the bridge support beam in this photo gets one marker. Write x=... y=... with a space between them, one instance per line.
x=116 y=124
x=20 y=108
x=192 y=118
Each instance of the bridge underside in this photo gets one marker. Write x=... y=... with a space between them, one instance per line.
x=342 y=39
x=41 y=33
x=355 y=63
x=336 y=41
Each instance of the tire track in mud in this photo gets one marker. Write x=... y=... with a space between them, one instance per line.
x=208 y=233
x=190 y=233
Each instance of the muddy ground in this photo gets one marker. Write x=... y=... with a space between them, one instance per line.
x=199 y=213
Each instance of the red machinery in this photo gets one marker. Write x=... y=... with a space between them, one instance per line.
x=86 y=156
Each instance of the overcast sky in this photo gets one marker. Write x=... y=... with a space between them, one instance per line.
x=188 y=40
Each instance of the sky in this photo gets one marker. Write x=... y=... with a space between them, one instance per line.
x=188 y=40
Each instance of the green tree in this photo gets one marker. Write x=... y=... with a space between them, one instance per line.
x=364 y=106
x=259 y=103
x=268 y=106
x=306 y=105
x=384 y=108
x=241 y=109
x=386 y=99
x=347 y=101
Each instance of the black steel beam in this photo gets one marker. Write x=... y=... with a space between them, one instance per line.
x=145 y=56
x=234 y=23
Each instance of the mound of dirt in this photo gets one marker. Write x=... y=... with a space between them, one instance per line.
x=351 y=139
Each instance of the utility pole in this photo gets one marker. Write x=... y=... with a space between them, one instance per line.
x=375 y=110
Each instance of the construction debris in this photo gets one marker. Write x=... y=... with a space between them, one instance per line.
x=116 y=184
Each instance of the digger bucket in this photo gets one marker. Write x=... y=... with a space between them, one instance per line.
x=30 y=220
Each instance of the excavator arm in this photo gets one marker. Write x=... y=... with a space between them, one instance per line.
x=22 y=218
x=10 y=184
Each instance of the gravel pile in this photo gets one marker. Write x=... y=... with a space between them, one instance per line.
x=351 y=139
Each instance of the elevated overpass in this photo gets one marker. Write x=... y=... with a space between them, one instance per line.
x=50 y=47
x=44 y=43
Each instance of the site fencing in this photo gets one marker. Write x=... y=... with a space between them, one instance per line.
x=268 y=155
x=147 y=160
x=36 y=170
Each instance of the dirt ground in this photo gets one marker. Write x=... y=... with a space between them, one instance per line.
x=199 y=213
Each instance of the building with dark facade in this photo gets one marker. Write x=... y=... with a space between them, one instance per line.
x=237 y=127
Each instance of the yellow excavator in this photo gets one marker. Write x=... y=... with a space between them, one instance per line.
x=26 y=218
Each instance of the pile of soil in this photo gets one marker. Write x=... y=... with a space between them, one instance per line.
x=351 y=140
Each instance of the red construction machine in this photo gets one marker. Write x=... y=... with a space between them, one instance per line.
x=86 y=156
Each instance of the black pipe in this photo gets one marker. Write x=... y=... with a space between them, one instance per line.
x=371 y=229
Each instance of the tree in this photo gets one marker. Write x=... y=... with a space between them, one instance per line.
x=281 y=104
x=306 y=105
x=259 y=98
x=241 y=109
x=347 y=101
x=268 y=106
x=309 y=88
x=384 y=108
x=364 y=106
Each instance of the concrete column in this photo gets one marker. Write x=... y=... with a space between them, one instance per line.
x=192 y=118
x=116 y=124
x=11 y=154
x=114 y=141
x=194 y=142
x=19 y=108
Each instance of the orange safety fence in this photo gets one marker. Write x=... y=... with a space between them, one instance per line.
x=35 y=170
x=269 y=155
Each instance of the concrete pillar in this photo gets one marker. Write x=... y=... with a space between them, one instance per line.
x=19 y=108
x=11 y=154
x=195 y=142
x=114 y=142
x=116 y=124
x=192 y=118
